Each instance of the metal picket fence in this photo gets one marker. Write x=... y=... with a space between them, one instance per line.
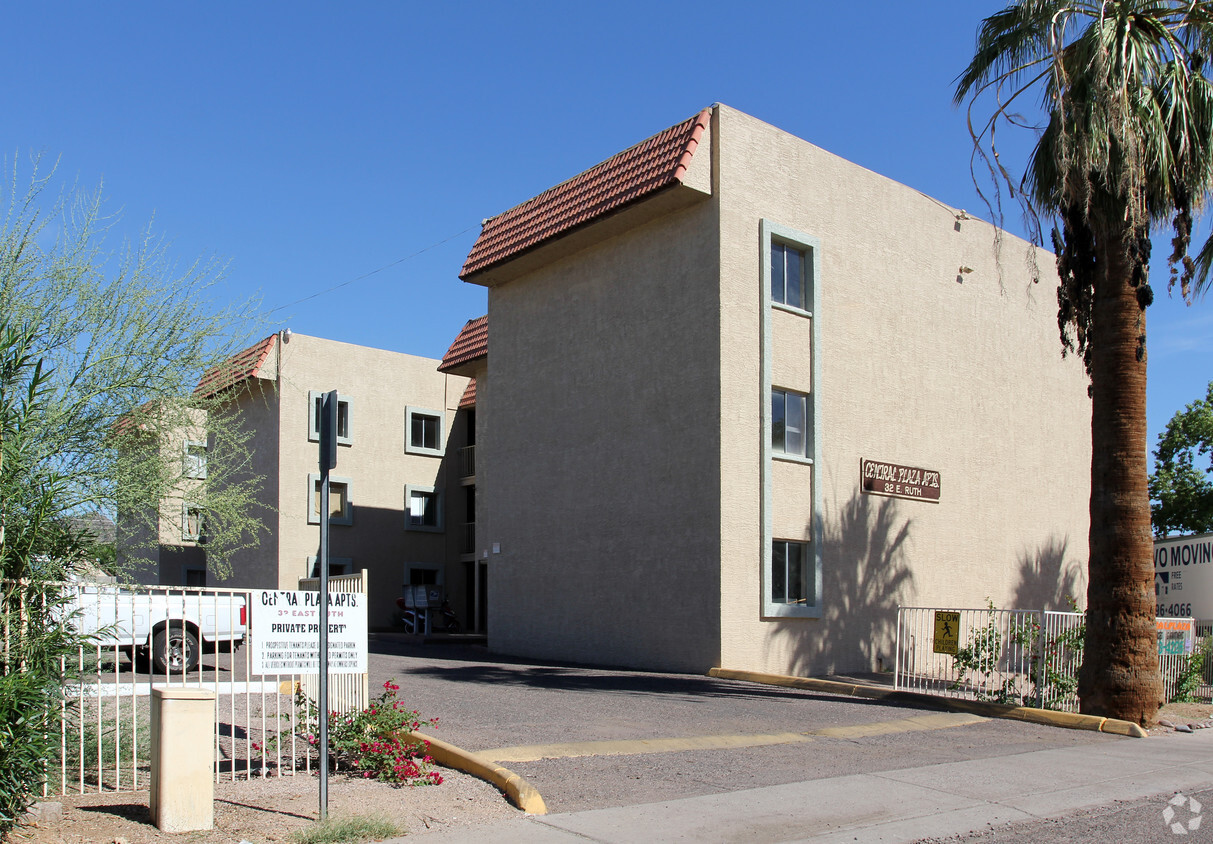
x=198 y=641
x=1027 y=657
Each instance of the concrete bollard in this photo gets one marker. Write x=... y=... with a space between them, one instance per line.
x=183 y=753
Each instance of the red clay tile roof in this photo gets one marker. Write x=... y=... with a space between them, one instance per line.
x=631 y=175
x=239 y=367
x=472 y=343
x=469 y=396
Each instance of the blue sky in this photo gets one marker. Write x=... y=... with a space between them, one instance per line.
x=310 y=144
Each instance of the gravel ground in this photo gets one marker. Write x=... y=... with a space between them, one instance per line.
x=263 y=810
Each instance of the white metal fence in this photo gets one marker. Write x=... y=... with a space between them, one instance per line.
x=145 y=636
x=1026 y=657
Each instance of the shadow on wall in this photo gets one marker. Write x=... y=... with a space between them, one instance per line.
x=864 y=578
x=1047 y=579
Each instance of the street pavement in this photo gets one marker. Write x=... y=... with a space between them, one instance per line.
x=633 y=756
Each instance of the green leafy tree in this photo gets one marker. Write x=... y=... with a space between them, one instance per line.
x=123 y=335
x=1181 y=489
x=1123 y=143
x=36 y=548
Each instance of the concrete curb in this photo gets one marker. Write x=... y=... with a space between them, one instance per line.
x=1049 y=717
x=521 y=793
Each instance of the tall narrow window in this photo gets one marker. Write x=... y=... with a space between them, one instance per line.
x=193 y=523
x=194 y=459
x=790 y=580
x=789 y=415
x=787 y=275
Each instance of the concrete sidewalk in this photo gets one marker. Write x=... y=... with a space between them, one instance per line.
x=893 y=806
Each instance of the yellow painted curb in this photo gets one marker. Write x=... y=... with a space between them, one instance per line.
x=521 y=793
x=1049 y=717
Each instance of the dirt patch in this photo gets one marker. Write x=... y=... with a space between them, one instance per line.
x=1194 y=716
x=264 y=810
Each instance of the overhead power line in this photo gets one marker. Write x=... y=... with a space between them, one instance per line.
x=372 y=272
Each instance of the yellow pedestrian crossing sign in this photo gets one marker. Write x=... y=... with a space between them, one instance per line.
x=947 y=632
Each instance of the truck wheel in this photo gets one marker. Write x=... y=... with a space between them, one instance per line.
x=174 y=651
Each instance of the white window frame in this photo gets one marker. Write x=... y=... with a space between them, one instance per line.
x=191 y=465
x=807 y=273
x=769 y=233
x=806 y=551
x=409 y=448
x=313 y=429
x=313 y=496
x=186 y=534
x=803 y=455
x=440 y=519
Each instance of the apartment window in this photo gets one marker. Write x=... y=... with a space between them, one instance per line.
x=423 y=431
x=792 y=582
x=344 y=432
x=423 y=508
x=788 y=276
x=337 y=566
x=790 y=279
x=195 y=577
x=789 y=423
x=193 y=523
x=193 y=459
x=341 y=508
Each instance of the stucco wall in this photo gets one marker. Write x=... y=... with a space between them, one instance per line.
x=921 y=365
x=380 y=385
x=597 y=450
x=257 y=566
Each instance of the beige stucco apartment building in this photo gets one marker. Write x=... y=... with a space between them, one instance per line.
x=743 y=398
x=397 y=501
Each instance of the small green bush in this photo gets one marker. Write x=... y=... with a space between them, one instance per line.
x=349 y=830
x=26 y=742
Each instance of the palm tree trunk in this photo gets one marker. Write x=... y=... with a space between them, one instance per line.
x=1120 y=676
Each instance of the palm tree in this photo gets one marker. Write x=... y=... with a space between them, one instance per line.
x=1126 y=144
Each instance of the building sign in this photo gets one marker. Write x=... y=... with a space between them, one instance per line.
x=1183 y=577
x=947 y=632
x=284 y=632
x=877 y=478
x=1175 y=636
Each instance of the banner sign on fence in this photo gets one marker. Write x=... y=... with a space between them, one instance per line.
x=1183 y=576
x=877 y=478
x=1175 y=636
x=284 y=632
x=947 y=632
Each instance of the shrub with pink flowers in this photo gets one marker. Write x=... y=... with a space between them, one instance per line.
x=371 y=743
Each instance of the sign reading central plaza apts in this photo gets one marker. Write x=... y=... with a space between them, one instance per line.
x=878 y=478
x=284 y=632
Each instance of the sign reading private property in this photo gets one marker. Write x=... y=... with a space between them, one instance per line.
x=878 y=478
x=284 y=632
x=1183 y=576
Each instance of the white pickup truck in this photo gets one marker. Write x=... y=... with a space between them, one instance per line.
x=170 y=625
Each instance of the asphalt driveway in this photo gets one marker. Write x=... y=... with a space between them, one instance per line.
x=589 y=737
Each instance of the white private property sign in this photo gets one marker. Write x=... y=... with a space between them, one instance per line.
x=1183 y=576
x=284 y=632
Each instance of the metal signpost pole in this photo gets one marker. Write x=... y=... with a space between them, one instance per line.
x=328 y=460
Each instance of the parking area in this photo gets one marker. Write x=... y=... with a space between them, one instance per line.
x=615 y=738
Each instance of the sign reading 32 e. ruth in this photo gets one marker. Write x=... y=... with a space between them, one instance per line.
x=284 y=632
x=877 y=478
